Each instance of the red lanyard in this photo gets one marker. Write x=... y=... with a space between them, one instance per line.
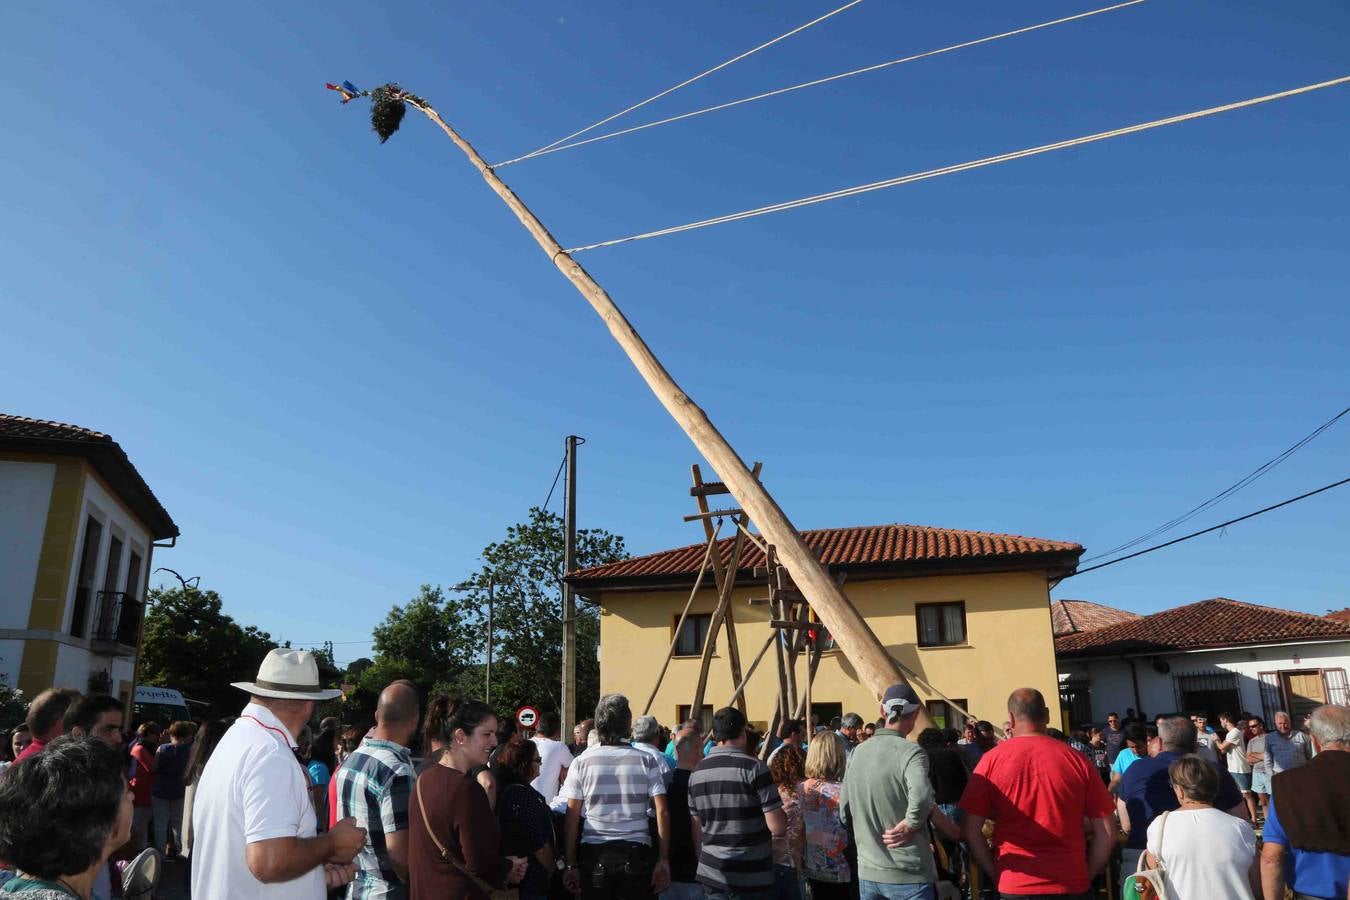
x=286 y=737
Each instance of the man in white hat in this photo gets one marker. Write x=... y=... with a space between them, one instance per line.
x=253 y=822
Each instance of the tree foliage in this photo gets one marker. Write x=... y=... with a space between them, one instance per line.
x=438 y=640
x=193 y=646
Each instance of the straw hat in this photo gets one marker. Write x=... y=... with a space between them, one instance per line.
x=288 y=675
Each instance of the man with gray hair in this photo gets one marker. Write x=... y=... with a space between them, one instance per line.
x=849 y=726
x=647 y=738
x=1146 y=791
x=1309 y=818
x=1285 y=748
x=610 y=855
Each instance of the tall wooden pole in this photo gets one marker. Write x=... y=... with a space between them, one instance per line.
x=569 y=643
x=864 y=650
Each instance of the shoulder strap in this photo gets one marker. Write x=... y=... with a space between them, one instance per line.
x=1162 y=833
x=444 y=851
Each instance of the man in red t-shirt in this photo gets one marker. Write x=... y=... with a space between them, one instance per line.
x=46 y=718
x=1038 y=791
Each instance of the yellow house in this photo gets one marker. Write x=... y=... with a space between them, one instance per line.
x=968 y=611
x=78 y=526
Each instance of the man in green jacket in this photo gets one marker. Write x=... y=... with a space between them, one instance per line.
x=887 y=798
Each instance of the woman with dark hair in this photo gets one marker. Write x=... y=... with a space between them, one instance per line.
x=433 y=726
x=323 y=763
x=454 y=843
x=209 y=734
x=16 y=742
x=524 y=817
x=788 y=768
x=62 y=814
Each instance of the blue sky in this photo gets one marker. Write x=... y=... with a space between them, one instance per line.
x=344 y=368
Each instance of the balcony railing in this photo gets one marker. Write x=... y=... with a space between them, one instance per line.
x=118 y=618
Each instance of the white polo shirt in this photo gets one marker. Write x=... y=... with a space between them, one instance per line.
x=252 y=790
x=554 y=757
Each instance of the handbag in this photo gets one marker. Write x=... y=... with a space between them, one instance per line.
x=447 y=856
x=1144 y=883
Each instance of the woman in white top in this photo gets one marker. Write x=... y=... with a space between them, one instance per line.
x=1204 y=852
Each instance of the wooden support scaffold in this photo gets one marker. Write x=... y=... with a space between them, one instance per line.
x=794 y=633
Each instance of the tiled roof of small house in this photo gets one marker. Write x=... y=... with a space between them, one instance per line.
x=848 y=548
x=23 y=434
x=1070 y=616
x=1219 y=622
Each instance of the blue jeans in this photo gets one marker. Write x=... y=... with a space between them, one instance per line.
x=683 y=890
x=787 y=884
x=875 y=890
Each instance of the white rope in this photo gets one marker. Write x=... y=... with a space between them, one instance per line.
x=685 y=83
x=558 y=147
x=963 y=167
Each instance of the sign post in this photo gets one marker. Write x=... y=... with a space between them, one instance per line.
x=527 y=717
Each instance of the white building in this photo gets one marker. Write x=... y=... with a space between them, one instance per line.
x=1209 y=657
x=78 y=526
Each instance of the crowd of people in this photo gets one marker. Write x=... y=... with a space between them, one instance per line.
x=268 y=805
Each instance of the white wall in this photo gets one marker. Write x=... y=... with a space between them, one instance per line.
x=73 y=667
x=123 y=670
x=25 y=492
x=1112 y=689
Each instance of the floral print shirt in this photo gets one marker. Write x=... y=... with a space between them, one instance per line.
x=787 y=849
x=826 y=837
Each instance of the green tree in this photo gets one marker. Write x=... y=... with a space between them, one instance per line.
x=417 y=641
x=193 y=646
x=525 y=569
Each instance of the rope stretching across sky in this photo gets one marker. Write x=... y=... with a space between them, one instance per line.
x=689 y=81
x=962 y=167
x=568 y=144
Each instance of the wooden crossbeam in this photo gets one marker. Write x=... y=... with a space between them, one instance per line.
x=714 y=514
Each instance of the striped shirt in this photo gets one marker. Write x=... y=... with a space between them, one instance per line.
x=730 y=792
x=615 y=785
x=373 y=784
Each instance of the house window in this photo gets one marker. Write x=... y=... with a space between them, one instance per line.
x=1075 y=702
x=705 y=716
x=1207 y=693
x=941 y=624
x=946 y=715
x=693 y=634
x=134 y=576
x=84 y=582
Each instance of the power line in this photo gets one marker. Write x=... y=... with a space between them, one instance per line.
x=962 y=167
x=1225 y=493
x=552 y=487
x=685 y=83
x=1193 y=534
x=814 y=83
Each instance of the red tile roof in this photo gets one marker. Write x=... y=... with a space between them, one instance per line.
x=107 y=456
x=1341 y=615
x=863 y=546
x=1069 y=616
x=1210 y=623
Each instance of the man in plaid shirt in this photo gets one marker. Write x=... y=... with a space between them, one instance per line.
x=373 y=785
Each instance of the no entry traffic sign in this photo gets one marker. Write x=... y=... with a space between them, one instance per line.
x=527 y=717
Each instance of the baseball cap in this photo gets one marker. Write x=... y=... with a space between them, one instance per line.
x=900 y=700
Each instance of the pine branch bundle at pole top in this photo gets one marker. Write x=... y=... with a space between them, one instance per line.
x=874 y=666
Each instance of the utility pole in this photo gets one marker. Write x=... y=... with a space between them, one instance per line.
x=859 y=643
x=569 y=646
